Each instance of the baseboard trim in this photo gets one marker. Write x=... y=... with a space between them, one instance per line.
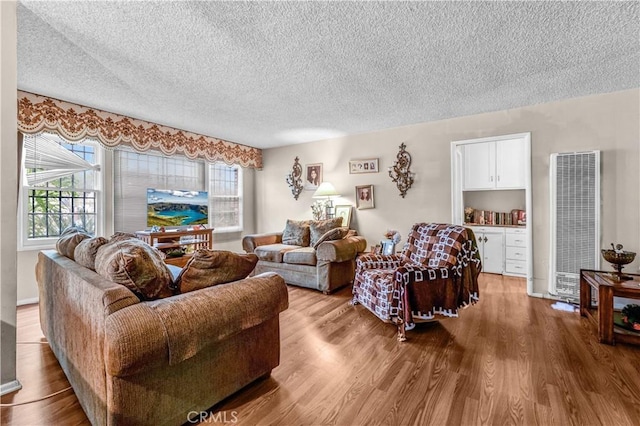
x=9 y=387
x=29 y=301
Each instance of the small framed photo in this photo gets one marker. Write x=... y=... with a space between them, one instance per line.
x=364 y=197
x=364 y=166
x=388 y=247
x=313 y=176
x=345 y=213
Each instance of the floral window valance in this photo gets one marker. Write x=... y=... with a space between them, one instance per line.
x=74 y=122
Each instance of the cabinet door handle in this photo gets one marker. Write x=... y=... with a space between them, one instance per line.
x=491 y=179
x=485 y=239
x=498 y=178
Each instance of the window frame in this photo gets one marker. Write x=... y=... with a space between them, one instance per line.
x=25 y=243
x=239 y=196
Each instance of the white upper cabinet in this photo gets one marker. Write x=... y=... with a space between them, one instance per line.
x=494 y=165
x=479 y=161
x=510 y=164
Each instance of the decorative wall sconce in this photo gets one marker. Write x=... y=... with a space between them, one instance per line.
x=294 y=179
x=400 y=173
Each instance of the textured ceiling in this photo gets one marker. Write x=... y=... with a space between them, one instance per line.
x=268 y=74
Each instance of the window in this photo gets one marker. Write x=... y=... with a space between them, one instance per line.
x=225 y=194
x=135 y=172
x=61 y=187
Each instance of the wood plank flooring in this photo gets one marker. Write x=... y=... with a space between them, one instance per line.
x=510 y=359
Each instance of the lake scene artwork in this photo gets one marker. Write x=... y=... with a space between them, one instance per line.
x=166 y=207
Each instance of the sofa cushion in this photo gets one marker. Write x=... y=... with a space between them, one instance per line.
x=211 y=267
x=274 y=252
x=301 y=256
x=296 y=233
x=66 y=244
x=318 y=228
x=137 y=266
x=85 y=252
x=331 y=235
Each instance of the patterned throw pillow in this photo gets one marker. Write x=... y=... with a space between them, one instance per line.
x=85 y=252
x=66 y=244
x=296 y=233
x=136 y=265
x=331 y=235
x=207 y=268
x=319 y=227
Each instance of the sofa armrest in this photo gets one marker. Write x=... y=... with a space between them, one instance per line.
x=169 y=331
x=250 y=242
x=341 y=250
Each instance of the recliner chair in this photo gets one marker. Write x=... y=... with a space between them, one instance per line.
x=435 y=274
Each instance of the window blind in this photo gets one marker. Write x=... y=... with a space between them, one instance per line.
x=135 y=172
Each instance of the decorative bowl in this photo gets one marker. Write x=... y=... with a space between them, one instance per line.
x=618 y=258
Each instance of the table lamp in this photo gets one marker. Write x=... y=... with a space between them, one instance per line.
x=328 y=191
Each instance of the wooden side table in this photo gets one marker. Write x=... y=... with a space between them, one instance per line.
x=606 y=286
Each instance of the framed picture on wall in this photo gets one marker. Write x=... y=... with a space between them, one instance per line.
x=364 y=166
x=345 y=213
x=312 y=176
x=364 y=197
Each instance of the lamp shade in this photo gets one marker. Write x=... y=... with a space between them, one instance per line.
x=325 y=190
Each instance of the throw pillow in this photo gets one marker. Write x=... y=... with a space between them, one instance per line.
x=85 y=252
x=319 y=227
x=136 y=265
x=331 y=235
x=211 y=267
x=121 y=236
x=296 y=233
x=66 y=244
x=73 y=230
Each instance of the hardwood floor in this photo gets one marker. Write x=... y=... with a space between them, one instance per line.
x=510 y=359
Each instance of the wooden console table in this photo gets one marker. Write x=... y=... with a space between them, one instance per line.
x=188 y=240
x=605 y=286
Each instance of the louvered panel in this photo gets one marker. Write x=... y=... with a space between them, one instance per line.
x=575 y=219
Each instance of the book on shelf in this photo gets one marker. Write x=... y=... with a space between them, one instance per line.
x=487 y=217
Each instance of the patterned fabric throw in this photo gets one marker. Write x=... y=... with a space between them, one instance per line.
x=436 y=273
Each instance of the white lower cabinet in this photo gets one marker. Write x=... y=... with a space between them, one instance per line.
x=515 y=252
x=502 y=250
x=491 y=246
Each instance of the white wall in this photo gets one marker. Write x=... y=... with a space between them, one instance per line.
x=8 y=194
x=608 y=122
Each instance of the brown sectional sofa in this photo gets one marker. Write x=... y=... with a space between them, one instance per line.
x=328 y=267
x=156 y=362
